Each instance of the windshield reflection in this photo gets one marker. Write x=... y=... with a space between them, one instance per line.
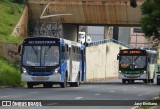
x=41 y=56
x=133 y=62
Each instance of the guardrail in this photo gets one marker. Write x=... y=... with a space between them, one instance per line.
x=108 y=40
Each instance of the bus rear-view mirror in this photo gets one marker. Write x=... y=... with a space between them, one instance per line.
x=19 y=48
x=117 y=57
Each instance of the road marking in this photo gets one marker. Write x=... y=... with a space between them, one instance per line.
x=111 y=91
x=77 y=98
x=124 y=89
x=97 y=94
x=3 y=96
x=34 y=92
x=134 y=87
x=145 y=93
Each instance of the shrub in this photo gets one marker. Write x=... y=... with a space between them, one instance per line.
x=9 y=73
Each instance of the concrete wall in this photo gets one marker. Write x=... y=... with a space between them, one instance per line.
x=53 y=29
x=9 y=51
x=137 y=38
x=21 y=27
x=70 y=32
x=101 y=61
x=124 y=35
x=39 y=28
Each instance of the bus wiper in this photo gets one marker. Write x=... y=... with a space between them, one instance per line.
x=136 y=58
x=47 y=50
x=34 y=50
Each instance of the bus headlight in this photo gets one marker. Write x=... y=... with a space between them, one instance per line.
x=119 y=71
x=144 y=72
x=24 y=71
x=56 y=71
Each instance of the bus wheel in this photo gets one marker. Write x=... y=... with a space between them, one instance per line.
x=132 y=81
x=29 y=85
x=63 y=84
x=123 y=81
x=151 y=81
x=71 y=84
x=77 y=84
x=145 y=81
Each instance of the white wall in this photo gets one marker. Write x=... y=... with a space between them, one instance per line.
x=101 y=61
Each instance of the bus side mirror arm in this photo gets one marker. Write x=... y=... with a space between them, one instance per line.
x=117 y=57
x=19 y=48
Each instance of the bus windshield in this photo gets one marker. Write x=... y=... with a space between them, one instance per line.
x=132 y=62
x=40 y=56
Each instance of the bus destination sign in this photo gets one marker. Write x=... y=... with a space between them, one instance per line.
x=132 y=52
x=41 y=42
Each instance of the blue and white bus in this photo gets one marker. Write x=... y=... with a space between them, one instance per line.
x=48 y=60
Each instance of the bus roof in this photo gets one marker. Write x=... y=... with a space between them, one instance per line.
x=152 y=51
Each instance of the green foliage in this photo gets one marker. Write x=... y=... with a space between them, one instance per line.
x=9 y=73
x=150 y=20
x=12 y=39
x=9 y=15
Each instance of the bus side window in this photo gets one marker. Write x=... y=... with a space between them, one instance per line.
x=66 y=48
x=149 y=59
x=63 y=48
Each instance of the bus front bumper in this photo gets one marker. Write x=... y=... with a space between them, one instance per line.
x=51 y=78
x=132 y=76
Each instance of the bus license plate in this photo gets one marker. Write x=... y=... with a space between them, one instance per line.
x=132 y=76
x=40 y=78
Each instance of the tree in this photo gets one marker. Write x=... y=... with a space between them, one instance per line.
x=150 y=21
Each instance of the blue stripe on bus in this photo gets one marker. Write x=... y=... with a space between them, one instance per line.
x=63 y=69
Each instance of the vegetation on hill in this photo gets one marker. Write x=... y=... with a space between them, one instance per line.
x=10 y=13
x=9 y=73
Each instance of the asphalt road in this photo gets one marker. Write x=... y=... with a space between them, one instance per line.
x=106 y=90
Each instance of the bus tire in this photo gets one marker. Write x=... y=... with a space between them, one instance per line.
x=29 y=85
x=123 y=81
x=71 y=84
x=64 y=84
x=145 y=81
x=151 y=81
x=77 y=84
x=132 y=81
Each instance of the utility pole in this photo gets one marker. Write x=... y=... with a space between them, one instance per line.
x=149 y=43
x=136 y=41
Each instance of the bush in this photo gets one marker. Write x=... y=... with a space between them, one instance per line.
x=11 y=10
x=9 y=73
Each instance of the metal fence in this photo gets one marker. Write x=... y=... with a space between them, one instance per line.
x=108 y=40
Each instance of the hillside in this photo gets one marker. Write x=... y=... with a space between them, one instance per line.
x=10 y=13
